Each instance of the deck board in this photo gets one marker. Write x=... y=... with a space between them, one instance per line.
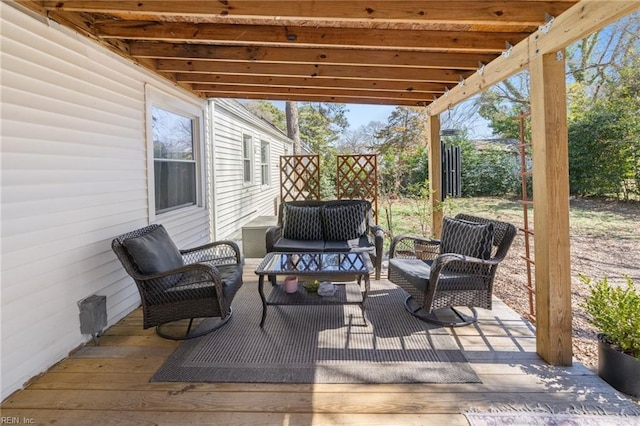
x=109 y=384
x=146 y=418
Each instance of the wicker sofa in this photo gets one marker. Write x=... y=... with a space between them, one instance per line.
x=327 y=226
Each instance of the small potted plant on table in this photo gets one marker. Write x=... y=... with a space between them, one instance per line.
x=615 y=312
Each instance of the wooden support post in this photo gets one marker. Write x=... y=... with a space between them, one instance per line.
x=435 y=175
x=551 y=208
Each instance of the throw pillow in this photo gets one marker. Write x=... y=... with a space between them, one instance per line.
x=302 y=223
x=155 y=252
x=344 y=222
x=466 y=238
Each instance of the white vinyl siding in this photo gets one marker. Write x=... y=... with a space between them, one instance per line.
x=74 y=175
x=235 y=202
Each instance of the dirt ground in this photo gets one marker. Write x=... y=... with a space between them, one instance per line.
x=605 y=241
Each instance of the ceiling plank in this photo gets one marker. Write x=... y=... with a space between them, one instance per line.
x=330 y=56
x=449 y=41
x=310 y=82
x=319 y=71
x=584 y=18
x=482 y=12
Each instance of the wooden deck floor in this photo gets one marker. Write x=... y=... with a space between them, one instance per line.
x=109 y=384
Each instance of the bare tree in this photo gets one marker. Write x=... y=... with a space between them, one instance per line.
x=361 y=140
x=293 y=126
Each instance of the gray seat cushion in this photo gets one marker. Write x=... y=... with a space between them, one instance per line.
x=361 y=244
x=289 y=245
x=415 y=271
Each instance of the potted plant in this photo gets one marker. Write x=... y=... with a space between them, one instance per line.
x=615 y=312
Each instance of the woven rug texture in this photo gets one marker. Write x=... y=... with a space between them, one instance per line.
x=321 y=344
x=522 y=418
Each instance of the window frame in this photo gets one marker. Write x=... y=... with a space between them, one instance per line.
x=265 y=166
x=248 y=157
x=196 y=113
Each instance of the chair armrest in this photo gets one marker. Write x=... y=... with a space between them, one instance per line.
x=273 y=234
x=442 y=260
x=218 y=252
x=188 y=275
x=405 y=246
x=376 y=237
x=445 y=258
x=378 y=233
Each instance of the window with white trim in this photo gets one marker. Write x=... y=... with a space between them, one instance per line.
x=247 y=158
x=264 y=163
x=175 y=141
x=174 y=160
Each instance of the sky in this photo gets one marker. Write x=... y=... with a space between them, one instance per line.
x=362 y=114
x=359 y=114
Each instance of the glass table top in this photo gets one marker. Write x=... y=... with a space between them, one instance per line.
x=310 y=263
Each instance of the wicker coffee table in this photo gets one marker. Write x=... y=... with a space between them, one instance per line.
x=341 y=267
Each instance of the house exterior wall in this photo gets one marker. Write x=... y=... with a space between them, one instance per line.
x=74 y=175
x=235 y=202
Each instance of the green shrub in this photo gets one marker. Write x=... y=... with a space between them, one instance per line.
x=615 y=312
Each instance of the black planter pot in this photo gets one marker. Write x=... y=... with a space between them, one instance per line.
x=620 y=370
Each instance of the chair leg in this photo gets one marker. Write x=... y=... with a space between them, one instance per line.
x=414 y=308
x=196 y=332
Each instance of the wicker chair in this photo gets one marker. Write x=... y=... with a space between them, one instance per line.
x=456 y=271
x=177 y=284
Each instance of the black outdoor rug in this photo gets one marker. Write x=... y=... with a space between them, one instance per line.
x=321 y=344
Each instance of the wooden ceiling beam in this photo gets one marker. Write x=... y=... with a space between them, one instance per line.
x=301 y=55
x=262 y=35
x=304 y=91
x=277 y=96
x=310 y=82
x=584 y=18
x=481 y=12
x=316 y=71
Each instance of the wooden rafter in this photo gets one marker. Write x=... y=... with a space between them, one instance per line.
x=334 y=71
x=333 y=97
x=470 y=12
x=300 y=55
x=303 y=91
x=264 y=35
x=309 y=82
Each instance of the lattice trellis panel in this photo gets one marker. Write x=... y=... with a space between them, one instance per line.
x=299 y=177
x=357 y=178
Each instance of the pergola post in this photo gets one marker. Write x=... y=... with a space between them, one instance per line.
x=435 y=175
x=551 y=208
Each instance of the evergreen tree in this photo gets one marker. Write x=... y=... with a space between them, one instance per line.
x=269 y=112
